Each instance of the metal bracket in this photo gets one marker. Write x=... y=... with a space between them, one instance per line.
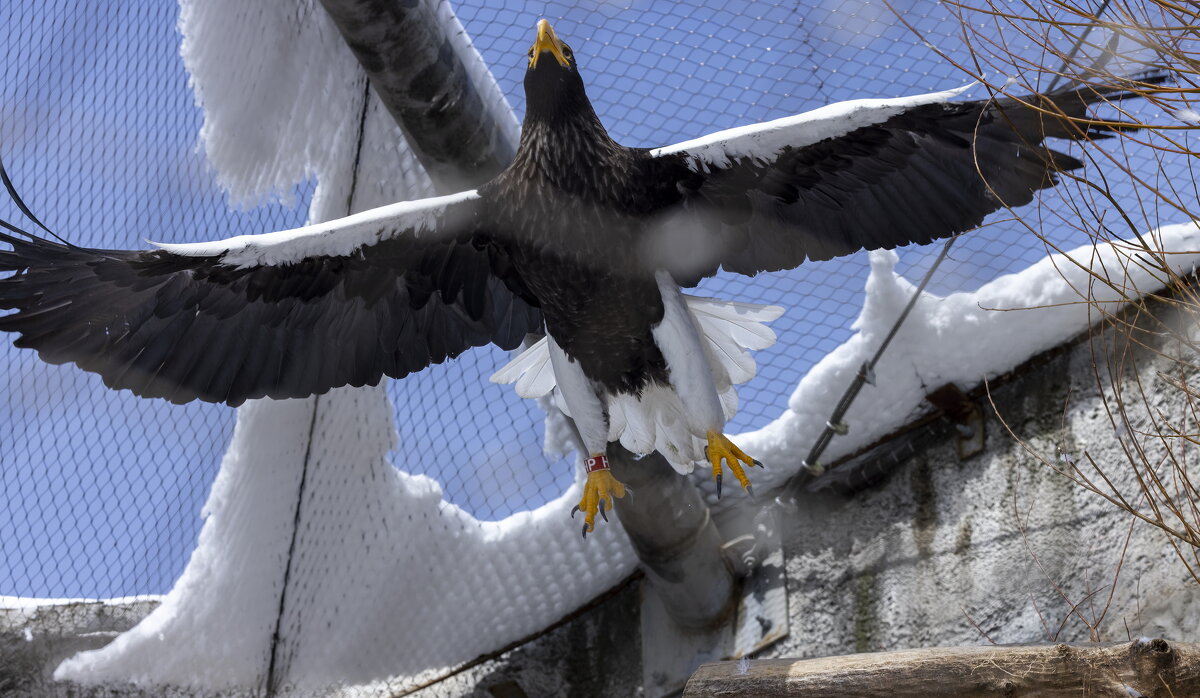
x=762 y=613
x=753 y=549
x=966 y=415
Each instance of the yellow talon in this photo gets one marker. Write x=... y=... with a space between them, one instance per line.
x=719 y=449
x=598 y=493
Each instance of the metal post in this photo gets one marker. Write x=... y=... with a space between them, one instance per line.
x=675 y=539
x=412 y=64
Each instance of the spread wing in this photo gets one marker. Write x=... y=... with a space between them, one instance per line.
x=861 y=174
x=289 y=314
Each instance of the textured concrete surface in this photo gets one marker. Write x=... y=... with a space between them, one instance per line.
x=34 y=640
x=917 y=548
x=598 y=654
x=995 y=548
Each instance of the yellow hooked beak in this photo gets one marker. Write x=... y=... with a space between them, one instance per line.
x=547 y=41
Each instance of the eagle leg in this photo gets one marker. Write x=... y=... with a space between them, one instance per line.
x=598 y=493
x=721 y=450
x=591 y=419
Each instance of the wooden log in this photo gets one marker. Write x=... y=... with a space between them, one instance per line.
x=1145 y=667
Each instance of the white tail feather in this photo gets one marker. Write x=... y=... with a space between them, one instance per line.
x=729 y=402
x=561 y=403
x=638 y=434
x=655 y=421
x=742 y=322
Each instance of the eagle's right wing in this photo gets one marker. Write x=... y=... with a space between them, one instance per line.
x=288 y=314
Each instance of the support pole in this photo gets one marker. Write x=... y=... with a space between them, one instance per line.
x=416 y=70
x=1143 y=667
x=675 y=539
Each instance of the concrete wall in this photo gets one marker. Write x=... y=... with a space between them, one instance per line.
x=931 y=550
x=34 y=640
x=947 y=552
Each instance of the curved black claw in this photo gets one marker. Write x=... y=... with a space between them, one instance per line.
x=759 y=464
x=750 y=491
x=602 y=514
x=718 y=485
x=575 y=511
x=585 y=531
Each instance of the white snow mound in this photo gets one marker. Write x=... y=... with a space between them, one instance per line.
x=962 y=338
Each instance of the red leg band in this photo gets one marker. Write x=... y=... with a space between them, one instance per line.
x=595 y=463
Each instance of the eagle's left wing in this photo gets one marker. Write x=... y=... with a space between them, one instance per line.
x=875 y=173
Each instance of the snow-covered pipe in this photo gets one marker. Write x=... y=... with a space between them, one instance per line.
x=439 y=91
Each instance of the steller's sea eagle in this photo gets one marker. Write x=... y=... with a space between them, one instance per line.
x=581 y=238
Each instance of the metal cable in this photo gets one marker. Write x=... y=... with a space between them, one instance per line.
x=866 y=373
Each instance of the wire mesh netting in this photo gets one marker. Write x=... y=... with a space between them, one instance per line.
x=102 y=491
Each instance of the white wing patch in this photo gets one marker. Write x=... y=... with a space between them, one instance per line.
x=337 y=238
x=657 y=420
x=764 y=141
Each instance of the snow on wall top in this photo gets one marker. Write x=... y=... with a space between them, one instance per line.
x=963 y=338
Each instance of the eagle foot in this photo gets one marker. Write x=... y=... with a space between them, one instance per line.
x=598 y=493
x=721 y=450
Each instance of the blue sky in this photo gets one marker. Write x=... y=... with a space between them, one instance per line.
x=101 y=491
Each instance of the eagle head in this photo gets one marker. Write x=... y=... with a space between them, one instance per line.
x=552 y=82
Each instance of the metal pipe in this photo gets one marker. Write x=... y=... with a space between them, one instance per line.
x=413 y=65
x=675 y=539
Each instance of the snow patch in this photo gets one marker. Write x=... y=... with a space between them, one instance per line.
x=1188 y=116
x=268 y=78
x=963 y=338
